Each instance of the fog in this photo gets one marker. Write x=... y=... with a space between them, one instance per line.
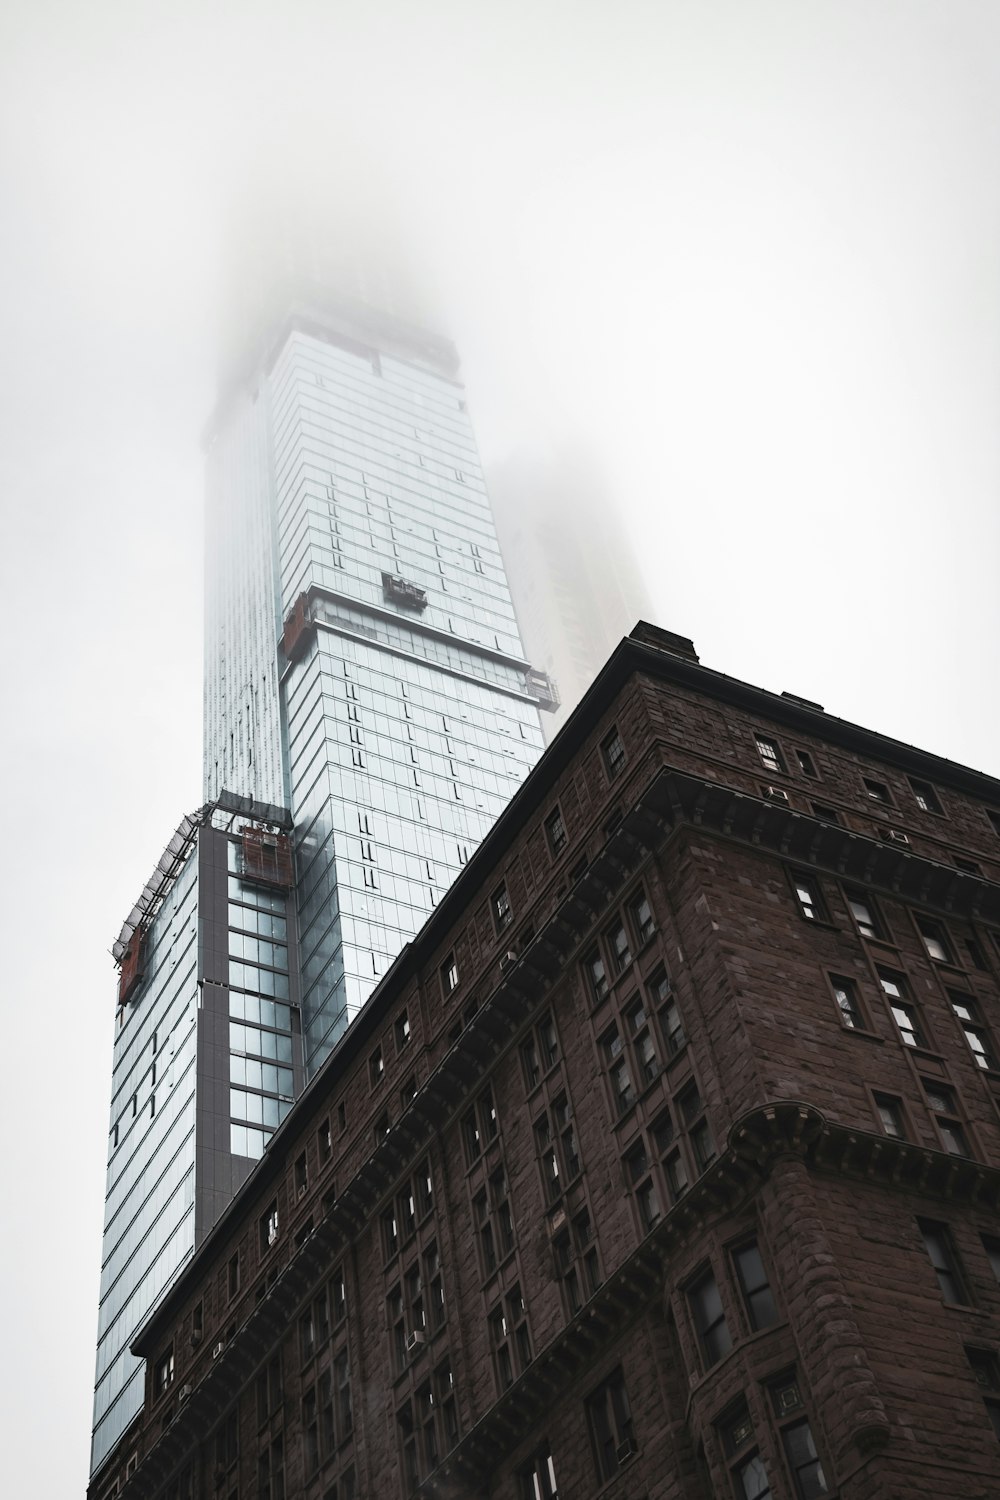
x=747 y=254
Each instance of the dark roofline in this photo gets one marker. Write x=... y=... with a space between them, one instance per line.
x=656 y=653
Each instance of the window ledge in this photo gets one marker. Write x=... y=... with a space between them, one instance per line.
x=865 y=1033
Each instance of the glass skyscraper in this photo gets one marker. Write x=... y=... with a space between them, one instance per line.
x=368 y=713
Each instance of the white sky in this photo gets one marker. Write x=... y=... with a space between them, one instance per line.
x=751 y=251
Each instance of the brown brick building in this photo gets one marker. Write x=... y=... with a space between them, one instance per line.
x=665 y=1162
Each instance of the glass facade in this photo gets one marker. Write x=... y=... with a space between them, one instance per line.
x=149 y=1206
x=347 y=473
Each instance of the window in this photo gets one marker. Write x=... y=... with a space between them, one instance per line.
x=227 y=1442
x=555 y=1144
x=992 y=1247
x=709 y=1319
x=642 y=918
x=671 y=1025
x=597 y=978
x=758 y=1298
x=324 y=1141
x=577 y=1265
x=271 y=1472
x=935 y=941
x=502 y=913
x=876 y=791
x=449 y=975
x=609 y=1420
x=978 y=1038
x=925 y=796
x=613 y=753
x=269 y=1392
x=376 y=1067
x=749 y=1475
x=770 y=754
x=164 y=1372
x=494 y=1221
x=539 y=1050
x=890 y=1114
x=845 y=992
x=301 y=1174
x=480 y=1126
x=537 y=1479
x=427 y=1425
x=865 y=914
x=994 y=819
x=401 y=1029
x=699 y=1132
x=825 y=812
x=509 y=1338
x=942 y=1101
x=637 y=1174
x=268 y=1228
x=986 y=1368
x=643 y=1045
x=940 y=1250
x=904 y=1013
x=555 y=832
x=617 y=939
x=809 y=896
x=233 y=1275
x=797 y=1439
x=616 y=1063
x=806 y=765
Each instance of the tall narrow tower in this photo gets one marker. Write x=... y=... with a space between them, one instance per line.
x=369 y=712
x=363 y=665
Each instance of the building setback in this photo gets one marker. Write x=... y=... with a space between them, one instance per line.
x=662 y=1163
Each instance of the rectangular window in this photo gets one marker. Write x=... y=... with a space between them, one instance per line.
x=758 y=1298
x=946 y=1116
x=268 y=1228
x=537 y=1479
x=575 y=1253
x=935 y=940
x=642 y=919
x=845 y=992
x=890 y=1114
x=876 y=791
x=509 y=1338
x=597 y=978
x=904 y=1012
x=797 y=1439
x=865 y=914
x=376 y=1067
x=825 y=812
x=985 y=1367
x=941 y=1251
x=616 y=1063
x=502 y=913
x=613 y=753
x=449 y=975
x=643 y=1045
x=925 y=796
x=233 y=1275
x=809 y=896
x=401 y=1029
x=555 y=832
x=709 y=1319
x=978 y=1038
x=665 y=1003
x=806 y=765
x=618 y=943
x=770 y=754
x=609 y=1420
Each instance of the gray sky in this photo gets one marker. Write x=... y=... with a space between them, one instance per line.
x=750 y=250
